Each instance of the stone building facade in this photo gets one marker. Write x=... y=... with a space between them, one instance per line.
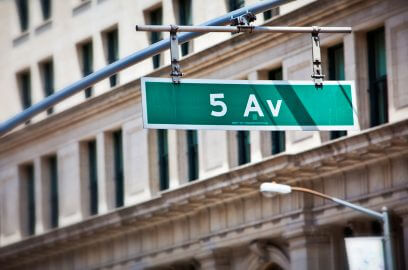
x=86 y=187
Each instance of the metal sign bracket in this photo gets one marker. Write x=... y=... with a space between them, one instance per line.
x=245 y=19
x=174 y=53
x=243 y=24
x=316 y=57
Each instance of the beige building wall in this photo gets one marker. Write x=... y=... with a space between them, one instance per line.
x=73 y=22
x=205 y=209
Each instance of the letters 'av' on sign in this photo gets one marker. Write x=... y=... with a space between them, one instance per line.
x=240 y=105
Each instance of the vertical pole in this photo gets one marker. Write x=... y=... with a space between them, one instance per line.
x=316 y=56
x=174 y=53
x=389 y=254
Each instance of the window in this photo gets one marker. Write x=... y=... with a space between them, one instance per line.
x=277 y=142
x=28 y=197
x=163 y=157
x=47 y=72
x=22 y=10
x=112 y=45
x=93 y=177
x=336 y=72
x=275 y=74
x=156 y=18
x=277 y=137
x=244 y=147
x=87 y=63
x=46 y=9
x=271 y=13
x=53 y=196
x=24 y=83
x=235 y=4
x=118 y=168
x=192 y=154
x=184 y=12
x=377 y=74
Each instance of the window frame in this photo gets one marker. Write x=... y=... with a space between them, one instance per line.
x=92 y=156
x=154 y=37
x=163 y=159
x=25 y=89
x=53 y=190
x=23 y=14
x=47 y=79
x=243 y=147
x=118 y=168
x=46 y=9
x=85 y=48
x=192 y=154
x=111 y=39
x=377 y=83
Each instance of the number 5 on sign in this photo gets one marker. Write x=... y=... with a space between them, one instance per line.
x=220 y=103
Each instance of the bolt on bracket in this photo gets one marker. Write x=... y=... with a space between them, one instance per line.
x=316 y=58
x=174 y=53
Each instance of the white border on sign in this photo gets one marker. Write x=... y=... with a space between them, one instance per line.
x=253 y=127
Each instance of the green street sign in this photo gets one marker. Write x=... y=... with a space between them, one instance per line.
x=248 y=105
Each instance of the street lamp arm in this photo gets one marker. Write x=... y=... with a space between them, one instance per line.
x=364 y=210
x=273 y=187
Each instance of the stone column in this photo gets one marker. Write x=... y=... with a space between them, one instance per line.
x=176 y=148
x=309 y=250
x=69 y=186
x=256 y=136
x=106 y=187
x=40 y=198
x=215 y=260
x=136 y=162
x=404 y=245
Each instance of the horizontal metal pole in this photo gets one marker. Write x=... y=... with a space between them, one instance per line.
x=234 y=29
x=123 y=63
x=364 y=210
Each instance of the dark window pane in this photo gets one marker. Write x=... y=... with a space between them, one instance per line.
x=93 y=178
x=118 y=166
x=278 y=142
x=87 y=64
x=336 y=62
x=46 y=9
x=336 y=72
x=337 y=134
x=192 y=154
x=22 y=9
x=156 y=18
x=163 y=157
x=53 y=172
x=185 y=19
x=271 y=13
x=113 y=52
x=24 y=81
x=244 y=147
x=235 y=4
x=275 y=74
x=377 y=77
x=30 y=193
x=48 y=80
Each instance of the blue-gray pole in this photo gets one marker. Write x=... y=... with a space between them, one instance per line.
x=123 y=63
